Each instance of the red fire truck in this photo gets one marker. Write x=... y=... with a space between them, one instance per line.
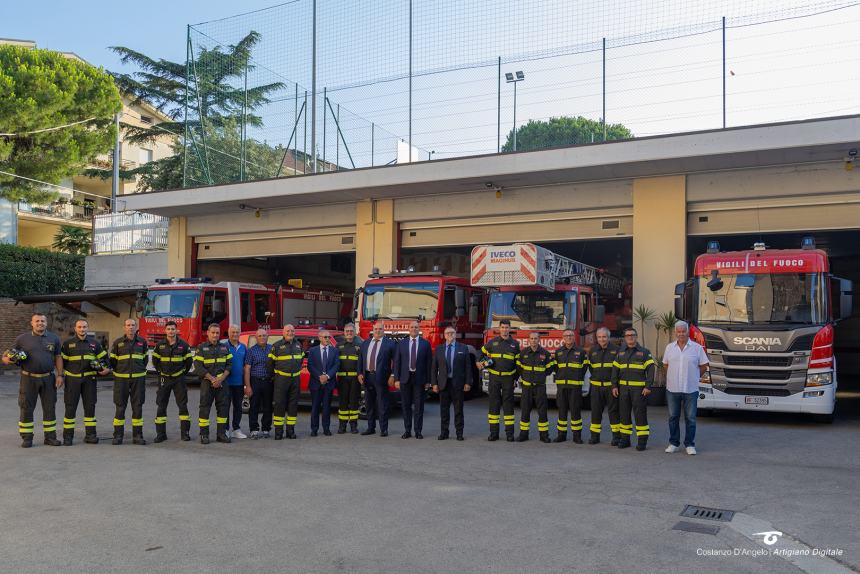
x=195 y=302
x=538 y=290
x=434 y=299
x=765 y=318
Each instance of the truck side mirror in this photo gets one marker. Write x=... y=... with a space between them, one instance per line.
x=599 y=313
x=140 y=302
x=355 y=295
x=680 y=292
x=846 y=287
x=715 y=283
x=460 y=302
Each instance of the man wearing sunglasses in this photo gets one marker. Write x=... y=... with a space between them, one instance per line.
x=632 y=377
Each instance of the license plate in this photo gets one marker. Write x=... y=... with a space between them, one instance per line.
x=756 y=400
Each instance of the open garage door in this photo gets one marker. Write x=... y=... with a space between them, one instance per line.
x=843 y=249
x=322 y=271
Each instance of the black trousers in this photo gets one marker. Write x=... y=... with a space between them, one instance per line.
x=348 y=395
x=451 y=395
x=80 y=389
x=321 y=405
x=501 y=391
x=30 y=390
x=376 y=398
x=412 y=404
x=568 y=398
x=534 y=396
x=221 y=398
x=630 y=399
x=133 y=388
x=261 y=401
x=179 y=388
x=286 y=398
x=601 y=398
x=235 y=395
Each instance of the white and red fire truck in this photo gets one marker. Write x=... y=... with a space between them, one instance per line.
x=766 y=318
x=541 y=291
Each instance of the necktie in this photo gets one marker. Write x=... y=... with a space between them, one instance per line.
x=324 y=354
x=372 y=366
x=448 y=356
x=412 y=356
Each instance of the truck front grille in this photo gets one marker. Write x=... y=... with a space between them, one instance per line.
x=758 y=375
x=759 y=361
x=757 y=392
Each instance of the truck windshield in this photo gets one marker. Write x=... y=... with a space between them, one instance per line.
x=172 y=303
x=531 y=310
x=753 y=298
x=401 y=301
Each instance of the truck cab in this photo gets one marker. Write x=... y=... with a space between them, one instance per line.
x=766 y=318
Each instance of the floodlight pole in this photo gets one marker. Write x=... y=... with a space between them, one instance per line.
x=314 y=87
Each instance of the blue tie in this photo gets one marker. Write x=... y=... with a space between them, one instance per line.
x=448 y=357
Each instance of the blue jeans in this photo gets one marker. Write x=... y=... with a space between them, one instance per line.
x=688 y=401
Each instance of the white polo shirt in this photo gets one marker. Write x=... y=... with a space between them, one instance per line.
x=682 y=371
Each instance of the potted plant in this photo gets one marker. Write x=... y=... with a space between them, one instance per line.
x=665 y=323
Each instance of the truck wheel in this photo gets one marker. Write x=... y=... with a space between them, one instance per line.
x=824 y=419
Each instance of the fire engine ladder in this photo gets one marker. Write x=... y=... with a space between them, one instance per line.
x=578 y=272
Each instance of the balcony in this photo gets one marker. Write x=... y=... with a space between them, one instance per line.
x=62 y=212
x=129 y=232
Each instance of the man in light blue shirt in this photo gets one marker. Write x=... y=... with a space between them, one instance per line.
x=236 y=388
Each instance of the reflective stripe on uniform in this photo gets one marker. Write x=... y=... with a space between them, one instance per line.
x=285 y=374
x=633 y=383
x=129 y=375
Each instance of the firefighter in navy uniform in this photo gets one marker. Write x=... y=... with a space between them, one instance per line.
x=128 y=361
x=348 y=387
x=499 y=357
x=571 y=364
x=172 y=361
x=285 y=361
x=600 y=360
x=632 y=377
x=83 y=359
x=534 y=365
x=212 y=364
x=38 y=355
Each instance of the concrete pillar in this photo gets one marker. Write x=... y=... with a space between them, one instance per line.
x=178 y=248
x=659 y=247
x=376 y=242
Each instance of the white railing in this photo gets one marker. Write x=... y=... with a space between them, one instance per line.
x=129 y=232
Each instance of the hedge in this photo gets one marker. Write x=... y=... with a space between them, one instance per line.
x=32 y=271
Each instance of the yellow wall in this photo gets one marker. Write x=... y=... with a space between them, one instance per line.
x=659 y=246
x=375 y=238
x=178 y=248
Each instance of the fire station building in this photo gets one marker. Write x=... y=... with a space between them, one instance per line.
x=642 y=208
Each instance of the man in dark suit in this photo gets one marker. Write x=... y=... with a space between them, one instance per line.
x=451 y=373
x=412 y=378
x=377 y=360
x=323 y=362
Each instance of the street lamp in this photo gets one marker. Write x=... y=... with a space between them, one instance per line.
x=513 y=79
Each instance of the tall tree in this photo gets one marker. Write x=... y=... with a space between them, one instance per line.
x=218 y=103
x=56 y=114
x=563 y=131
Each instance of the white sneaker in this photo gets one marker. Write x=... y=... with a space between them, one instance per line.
x=239 y=434
x=229 y=433
x=255 y=434
x=672 y=448
x=267 y=434
x=691 y=450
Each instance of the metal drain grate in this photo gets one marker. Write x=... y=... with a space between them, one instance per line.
x=705 y=513
x=697 y=528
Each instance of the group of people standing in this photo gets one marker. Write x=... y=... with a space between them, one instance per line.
x=269 y=377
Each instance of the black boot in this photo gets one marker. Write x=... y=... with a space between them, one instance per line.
x=509 y=433
x=204 y=435
x=577 y=436
x=161 y=432
x=562 y=437
x=291 y=431
x=137 y=435
x=51 y=439
x=624 y=442
x=26 y=440
x=616 y=437
x=68 y=437
x=494 y=433
x=594 y=438
x=222 y=433
x=279 y=433
x=544 y=436
x=341 y=427
x=118 y=432
x=353 y=427
x=90 y=436
x=184 y=430
x=641 y=443
x=524 y=436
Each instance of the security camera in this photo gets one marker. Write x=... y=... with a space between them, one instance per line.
x=242 y=206
x=489 y=185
